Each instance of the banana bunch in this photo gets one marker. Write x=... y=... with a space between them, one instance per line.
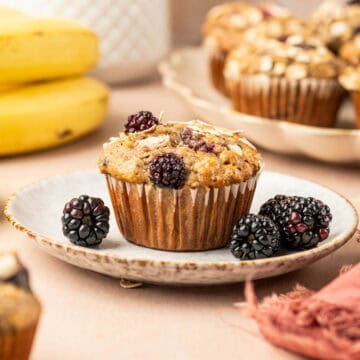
x=44 y=100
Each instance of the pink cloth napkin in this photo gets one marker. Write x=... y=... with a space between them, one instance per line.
x=320 y=325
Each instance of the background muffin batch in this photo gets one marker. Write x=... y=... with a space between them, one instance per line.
x=350 y=77
x=279 y=67
x=292 y=80
x=225 y=29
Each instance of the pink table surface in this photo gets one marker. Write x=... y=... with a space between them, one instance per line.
x=89 y=316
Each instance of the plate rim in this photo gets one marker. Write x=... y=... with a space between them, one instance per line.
x=311 y=254
x=170 y=80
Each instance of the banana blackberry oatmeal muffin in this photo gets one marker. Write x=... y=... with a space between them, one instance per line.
x=335 y=23
x=224 y=29
x=350 y=79
x=293 y=80
x=19 y=310
x=350 y=52
x=179 y=185
x=277 y=28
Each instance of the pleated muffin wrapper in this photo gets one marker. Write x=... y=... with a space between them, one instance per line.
x=356 y=101
x=179 y=220
x=217 y=60
x=307 y=101
x=16 y=337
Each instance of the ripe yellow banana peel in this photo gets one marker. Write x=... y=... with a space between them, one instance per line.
x=48 y=114
x=40 y=49
x=43 y=102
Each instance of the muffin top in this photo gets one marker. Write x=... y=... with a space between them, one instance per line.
x=226 y=24
x=279 y=28
x=350 y=52
x=295 y=58
x=335 y=23
x=177 y=154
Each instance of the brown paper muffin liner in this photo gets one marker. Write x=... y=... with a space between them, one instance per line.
x=179 y=220
x=306 y=101
x=216 y=69
x=16 y=340
x=356 y=101
x=17 y=345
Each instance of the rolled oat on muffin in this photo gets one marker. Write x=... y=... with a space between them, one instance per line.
x=293 y=80
x=224 y=30
x=179 y=186
x=277 y=28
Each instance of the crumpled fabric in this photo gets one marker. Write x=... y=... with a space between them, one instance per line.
x=320 y=325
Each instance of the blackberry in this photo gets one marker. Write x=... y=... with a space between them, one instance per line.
x=168 y=170
x=85 y=220
x=266 y=14
x=283 y=38
x=195 y=142
x=356 y=31
x=254 y=237
x=303 y=222
x=140 y=121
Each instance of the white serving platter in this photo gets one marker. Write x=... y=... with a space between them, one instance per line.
x=36 y=210
x=186 y=72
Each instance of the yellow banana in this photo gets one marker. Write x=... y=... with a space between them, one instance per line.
x=42 y=49
x=7 y=12
x=48 y=114
x=8 y=87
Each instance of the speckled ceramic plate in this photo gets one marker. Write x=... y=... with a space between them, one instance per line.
x=185 y=72
x=36 y=210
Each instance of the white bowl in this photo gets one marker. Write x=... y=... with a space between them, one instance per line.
x=37 y=209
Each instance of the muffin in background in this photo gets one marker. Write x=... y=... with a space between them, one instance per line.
x=224 y=30
x=19 y=310
x=350 y=51
x=350 y=79
x=276 y=28
x=179 y=186
x=335 y=23
x=294 y=80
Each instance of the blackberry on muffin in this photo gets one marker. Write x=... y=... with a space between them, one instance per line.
x=140 y=121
